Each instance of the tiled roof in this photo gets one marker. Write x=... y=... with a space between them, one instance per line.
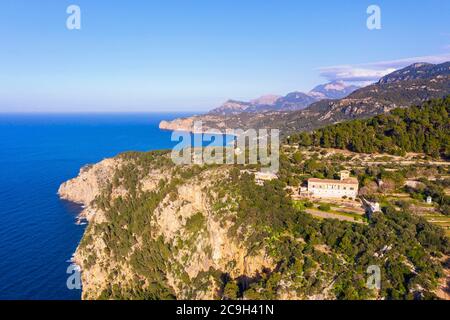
x=330 y=181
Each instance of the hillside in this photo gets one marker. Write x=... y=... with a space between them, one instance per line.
x=393 y=91
x=158 y=231
x=417 y=71
x=420 y=129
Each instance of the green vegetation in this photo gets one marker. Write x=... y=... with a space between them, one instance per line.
x=355 y=217
x=302 y=205
x=195 y=223
x=435 y=190
x=276 y=223
x=423 y=129
x=310 y=256
x=129 y=224
x=324 y=207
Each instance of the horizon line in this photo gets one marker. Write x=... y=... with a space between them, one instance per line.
x=96 y=112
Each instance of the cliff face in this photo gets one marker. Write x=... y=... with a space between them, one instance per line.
x=160 y=231
x=185 y=124
x=209 y=123
x=89 y=184
x=204 y=247
x=184 y=220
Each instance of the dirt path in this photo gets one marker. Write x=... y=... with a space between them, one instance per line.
x=329 y=215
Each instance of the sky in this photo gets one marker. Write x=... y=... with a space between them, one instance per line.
x=192 y=55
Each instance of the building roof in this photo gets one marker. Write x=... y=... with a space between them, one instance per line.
x=265 y=175
x=331 y=181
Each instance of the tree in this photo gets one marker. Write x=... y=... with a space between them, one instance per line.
x=298 y=157
x=417 y=129
x=231 y=290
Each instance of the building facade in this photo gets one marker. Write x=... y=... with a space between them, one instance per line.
x=326 y=188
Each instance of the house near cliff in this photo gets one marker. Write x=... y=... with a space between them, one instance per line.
x=261 y=177
x=328 y=188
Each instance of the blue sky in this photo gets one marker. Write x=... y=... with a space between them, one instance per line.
x=192 y=55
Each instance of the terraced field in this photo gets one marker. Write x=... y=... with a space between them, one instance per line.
x=339 y=212
x=440 y=220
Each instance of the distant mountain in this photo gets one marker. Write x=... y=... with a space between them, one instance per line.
x=231 y=107
x=268 y=100
x=392 y=91
x=234 y=107
x=291 y=102
x=294 y=101
x=403 y=88
x=333 y=90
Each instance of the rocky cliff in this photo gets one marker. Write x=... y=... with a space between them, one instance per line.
x=183 y=220
x=90 y=182
x=161 y=231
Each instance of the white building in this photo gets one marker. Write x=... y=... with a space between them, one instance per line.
x=326 y=188
x=261 y=177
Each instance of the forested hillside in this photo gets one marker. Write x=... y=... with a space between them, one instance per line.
x=169 y=232
x=410 y=86
x=423 y=129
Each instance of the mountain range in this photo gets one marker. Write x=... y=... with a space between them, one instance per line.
x=291 y=102
x=299 y=112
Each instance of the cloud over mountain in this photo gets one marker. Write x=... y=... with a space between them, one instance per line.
x=375 y=70
x=353 y=74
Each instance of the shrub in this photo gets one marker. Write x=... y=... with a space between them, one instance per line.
x=309 y=204
x=324 y=207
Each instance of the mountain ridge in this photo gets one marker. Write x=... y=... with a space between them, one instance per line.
x=292 y=101
x=409 y=86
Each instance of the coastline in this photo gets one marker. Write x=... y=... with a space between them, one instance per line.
x=71 y=191
x=82 y=190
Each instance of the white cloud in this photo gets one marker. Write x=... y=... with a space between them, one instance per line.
x=353 y=74
x=374 y=71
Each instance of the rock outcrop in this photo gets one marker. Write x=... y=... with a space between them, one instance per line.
x=90 y=182
x=206 y=247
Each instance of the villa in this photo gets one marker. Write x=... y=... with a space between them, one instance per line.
x=326 y=188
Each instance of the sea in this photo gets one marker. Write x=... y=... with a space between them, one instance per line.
x=38 y=152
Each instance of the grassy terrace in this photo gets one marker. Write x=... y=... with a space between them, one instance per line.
x=428 y=211
x=326 y=210
x=329 y=210
x=440 y=220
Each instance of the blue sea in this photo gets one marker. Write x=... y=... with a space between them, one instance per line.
x=38 y=234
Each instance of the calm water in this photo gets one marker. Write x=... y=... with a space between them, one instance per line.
x=37 y=153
